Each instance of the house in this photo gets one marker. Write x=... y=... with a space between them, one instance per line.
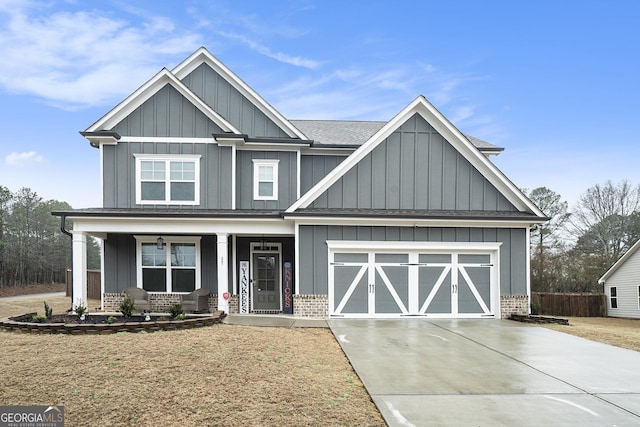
x=622 y=285
x=206 y=185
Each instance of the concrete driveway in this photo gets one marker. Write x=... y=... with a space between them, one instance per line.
x=486 y=372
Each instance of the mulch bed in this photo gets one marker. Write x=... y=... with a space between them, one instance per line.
x=528 y=318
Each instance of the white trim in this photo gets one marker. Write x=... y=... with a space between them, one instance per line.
x=257 y=163
x=400 y=246
x=146 y=91
x=422 y=107
x=167 y=158
x=298 y=174
x=619 y=263
x=169 y=139
x=411 y=222
x=169 y=240
x=203 y=56
x=234 y=165
x=296 y=249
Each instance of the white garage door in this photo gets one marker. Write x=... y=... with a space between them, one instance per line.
x=395 y=279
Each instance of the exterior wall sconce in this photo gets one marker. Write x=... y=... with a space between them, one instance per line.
x=160 y=243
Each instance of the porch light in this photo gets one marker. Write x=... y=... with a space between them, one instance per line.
x=160 y=243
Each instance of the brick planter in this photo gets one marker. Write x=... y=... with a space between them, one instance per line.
x=21 y=324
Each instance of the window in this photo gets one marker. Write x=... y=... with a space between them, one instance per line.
x=265 y=179
x=174 y=267
x=613 y=297
x=171 y=180
x=638 y=297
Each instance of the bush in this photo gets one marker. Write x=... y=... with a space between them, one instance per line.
x=48 y=311
x=80 y=308
x=127 y=306
x=176 y=310
x=535 y=307
x=180 y=316
x=38 y=318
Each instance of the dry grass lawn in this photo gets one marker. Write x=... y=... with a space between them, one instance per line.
x=623 y=333
x=221 y=375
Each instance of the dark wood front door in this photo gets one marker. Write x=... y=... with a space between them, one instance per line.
x=266 y=281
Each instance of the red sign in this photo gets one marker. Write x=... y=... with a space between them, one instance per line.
x=226 y=296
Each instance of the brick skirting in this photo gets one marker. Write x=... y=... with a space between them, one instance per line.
x=513 y=304
x=160 y=303
x=316 y=306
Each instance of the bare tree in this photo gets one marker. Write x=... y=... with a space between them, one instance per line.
x=605 y=215
x=547 y=237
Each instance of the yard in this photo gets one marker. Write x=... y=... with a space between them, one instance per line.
x=219 y=375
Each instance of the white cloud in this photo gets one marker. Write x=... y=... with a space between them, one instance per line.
x=80 y=58
x=23 y=159
x=298 y=61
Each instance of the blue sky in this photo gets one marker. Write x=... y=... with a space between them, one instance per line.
x=553 y=82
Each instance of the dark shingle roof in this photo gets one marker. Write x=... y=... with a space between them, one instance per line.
x=355 y=133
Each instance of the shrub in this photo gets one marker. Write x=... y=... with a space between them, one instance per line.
x=38 y=318
x=81 y=308
x=111 y=319
x=127 y=306
x=48 y=311
x=180 y=316
x=176 y=310
x=535 y=307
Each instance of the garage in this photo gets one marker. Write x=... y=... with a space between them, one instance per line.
x=397 y=279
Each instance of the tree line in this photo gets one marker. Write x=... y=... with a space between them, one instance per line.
x=575 y=248
x=33 y=249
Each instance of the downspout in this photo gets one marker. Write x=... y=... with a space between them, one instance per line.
x=63 y=220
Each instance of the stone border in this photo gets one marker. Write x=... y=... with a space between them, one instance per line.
x=18 y=324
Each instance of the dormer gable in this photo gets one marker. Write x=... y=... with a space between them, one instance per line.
x=230 y=96
x=163 y=81
x=458 y=142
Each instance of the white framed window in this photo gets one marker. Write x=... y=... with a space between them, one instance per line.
x=613 y=297
x=638 y=297
x=167 y=180
x=265 y=179
x=171 y=267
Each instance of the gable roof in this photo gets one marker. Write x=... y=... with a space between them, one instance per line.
x=633 y=249
x=203 y=56
x=355 y=133
x=458 y=140
x=146 y=91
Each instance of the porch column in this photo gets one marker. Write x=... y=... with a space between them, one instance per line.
x=223 y=271
x=79 y=265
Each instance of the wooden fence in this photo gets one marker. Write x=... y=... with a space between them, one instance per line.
x=570 y=304
x=93 y=284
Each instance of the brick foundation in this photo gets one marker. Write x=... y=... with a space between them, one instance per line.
x=160 y=303
x=316 y=306
x=513 y=304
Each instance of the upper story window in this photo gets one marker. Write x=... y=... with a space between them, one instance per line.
x=167 y=180
x=265 y=179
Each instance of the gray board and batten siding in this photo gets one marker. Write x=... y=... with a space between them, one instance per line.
x=227 y=101
x=313 y=251
x=167 y=114
x=119 y=173
x=287 y=179
x=415 y=168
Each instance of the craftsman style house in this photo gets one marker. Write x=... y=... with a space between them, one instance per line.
x=206 y=185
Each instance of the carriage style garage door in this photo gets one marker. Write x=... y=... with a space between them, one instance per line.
x=395 y=279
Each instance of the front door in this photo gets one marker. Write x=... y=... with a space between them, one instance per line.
x=266 y=280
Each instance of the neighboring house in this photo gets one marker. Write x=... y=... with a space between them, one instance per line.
x=204 y=184
x=622 y=285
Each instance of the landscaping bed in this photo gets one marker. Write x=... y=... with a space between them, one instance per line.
x=103 y=324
